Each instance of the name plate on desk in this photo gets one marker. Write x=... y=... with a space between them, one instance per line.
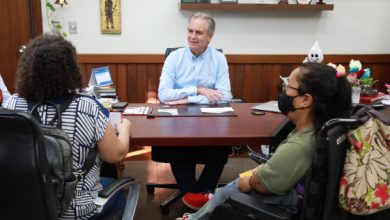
x=195 y=110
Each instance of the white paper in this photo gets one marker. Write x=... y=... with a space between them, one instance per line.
x=115 y=118
x=141 y=110
x=217 y=110
x=172 y=111
x=386 y=101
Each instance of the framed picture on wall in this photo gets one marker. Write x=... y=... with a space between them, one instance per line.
x=110 y=16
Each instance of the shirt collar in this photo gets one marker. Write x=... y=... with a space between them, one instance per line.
x=193 y=57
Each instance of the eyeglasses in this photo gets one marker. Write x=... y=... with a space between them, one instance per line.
x=284 y=87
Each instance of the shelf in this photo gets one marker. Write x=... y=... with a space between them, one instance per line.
x=256 y=7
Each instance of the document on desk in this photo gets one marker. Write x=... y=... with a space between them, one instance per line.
x=171 y=111
x=136 y=110
x=194 y=110
x=271 y=106
x=217 y=110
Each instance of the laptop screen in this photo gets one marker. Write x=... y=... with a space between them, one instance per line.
x=102 y=76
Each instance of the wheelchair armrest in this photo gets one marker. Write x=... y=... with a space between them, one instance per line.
x=258 y=157
x=111 y=189
x=248 y=204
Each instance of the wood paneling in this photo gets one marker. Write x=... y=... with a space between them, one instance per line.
x=254 y=78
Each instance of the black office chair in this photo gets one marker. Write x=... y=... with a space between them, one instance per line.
x=321 y=183
x=164 y=206
x=26 y=184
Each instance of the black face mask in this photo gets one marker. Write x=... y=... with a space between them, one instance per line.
x=285 y=103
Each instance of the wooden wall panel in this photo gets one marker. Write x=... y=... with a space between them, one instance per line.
x=121 y=81
x=254 y=78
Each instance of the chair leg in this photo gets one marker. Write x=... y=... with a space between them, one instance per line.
x=164 y=207
x=150 y=186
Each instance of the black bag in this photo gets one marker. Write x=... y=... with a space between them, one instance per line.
x=59 y=155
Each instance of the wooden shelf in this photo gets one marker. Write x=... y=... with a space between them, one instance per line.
x=256 y=7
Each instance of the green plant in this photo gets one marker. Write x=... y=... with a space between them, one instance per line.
x=54 y=25
x=368 y=81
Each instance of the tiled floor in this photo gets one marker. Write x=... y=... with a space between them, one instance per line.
x=146 y=171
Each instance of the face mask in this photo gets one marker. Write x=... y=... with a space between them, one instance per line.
x=285 y=103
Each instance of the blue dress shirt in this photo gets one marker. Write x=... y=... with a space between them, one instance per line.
x=183 y=73
x=4 y=89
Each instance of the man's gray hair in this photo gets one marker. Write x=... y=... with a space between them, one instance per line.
x=208 y=18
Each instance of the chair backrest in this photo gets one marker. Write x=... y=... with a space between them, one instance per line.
x=322 y=180
x=1 y=97
x=171 y=49
x=27 y=191
x=280 y=134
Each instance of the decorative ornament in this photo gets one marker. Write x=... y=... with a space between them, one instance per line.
x=315 y=54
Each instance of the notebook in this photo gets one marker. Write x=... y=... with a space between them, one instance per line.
x=271 y=106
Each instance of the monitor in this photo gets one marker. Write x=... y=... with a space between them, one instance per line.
x=100 y=77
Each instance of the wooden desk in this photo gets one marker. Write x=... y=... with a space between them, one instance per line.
x=245 y=129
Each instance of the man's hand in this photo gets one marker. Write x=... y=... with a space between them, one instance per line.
x=177 y=102
x=212 y=95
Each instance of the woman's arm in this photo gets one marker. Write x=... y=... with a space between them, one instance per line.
x=249 y=183
x=113 y=148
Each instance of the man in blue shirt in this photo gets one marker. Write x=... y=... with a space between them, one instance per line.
x=195 y=74
x=4 y=91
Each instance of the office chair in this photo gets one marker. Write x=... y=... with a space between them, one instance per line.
x=164 y=206
x=1 y=97
x=321 y=183
x=26 y=184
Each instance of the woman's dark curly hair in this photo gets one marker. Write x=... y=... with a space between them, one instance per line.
x=48 y=69
x=332 y=95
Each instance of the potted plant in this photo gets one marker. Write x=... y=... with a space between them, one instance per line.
x=54 y=25
x=364 y=78
x=359 y=78
x=367 y=87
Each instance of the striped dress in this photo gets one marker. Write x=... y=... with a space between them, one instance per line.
x=84 y=121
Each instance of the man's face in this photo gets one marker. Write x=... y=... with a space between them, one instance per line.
x=197 y=36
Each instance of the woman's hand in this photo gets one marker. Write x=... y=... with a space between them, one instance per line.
x=244 y=185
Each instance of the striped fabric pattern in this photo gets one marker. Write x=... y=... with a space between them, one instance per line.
x=84 y=121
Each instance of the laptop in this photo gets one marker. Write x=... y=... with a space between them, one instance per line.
x=100 y=77
x=102 y=83
x=271 y=106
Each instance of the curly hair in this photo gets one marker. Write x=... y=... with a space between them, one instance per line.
x=332 y=95
x=48 y=69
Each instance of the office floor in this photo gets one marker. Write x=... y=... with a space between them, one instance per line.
x=146 y=171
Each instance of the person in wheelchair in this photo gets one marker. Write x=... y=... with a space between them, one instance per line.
x=48 y=70
x=313 y=95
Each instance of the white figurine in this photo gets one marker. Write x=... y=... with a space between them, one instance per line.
x=315 y=54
